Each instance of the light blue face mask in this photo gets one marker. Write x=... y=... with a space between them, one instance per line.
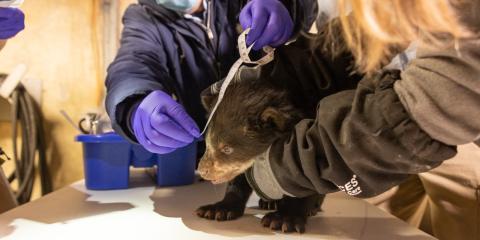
x=178 y=5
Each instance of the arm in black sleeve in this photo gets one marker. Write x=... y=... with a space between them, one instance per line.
x=303 y=13
x=139 y=68
x=362 y=142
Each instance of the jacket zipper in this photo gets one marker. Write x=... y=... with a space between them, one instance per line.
x=208 y=28
x=209 y=20
x=206 y=25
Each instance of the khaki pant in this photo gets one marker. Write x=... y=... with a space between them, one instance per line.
x=444 y=202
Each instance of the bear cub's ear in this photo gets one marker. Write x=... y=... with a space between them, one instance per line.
x=208 y=98
x=272 y=118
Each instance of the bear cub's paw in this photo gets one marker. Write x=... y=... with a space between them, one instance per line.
x=292 y=213
x=285 y=222
x=221 y=211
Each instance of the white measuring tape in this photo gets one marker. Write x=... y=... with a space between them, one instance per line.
x=244 y=58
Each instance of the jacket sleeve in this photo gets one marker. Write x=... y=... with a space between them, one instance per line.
x=362 y=142
x=138 y=69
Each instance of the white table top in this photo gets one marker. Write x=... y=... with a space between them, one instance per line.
x=147 y=212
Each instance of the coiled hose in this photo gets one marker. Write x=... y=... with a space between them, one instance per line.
x=30 y=157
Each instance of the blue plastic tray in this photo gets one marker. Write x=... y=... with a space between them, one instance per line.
x=107 y=159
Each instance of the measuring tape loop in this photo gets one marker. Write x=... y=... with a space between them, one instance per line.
x=244 y=58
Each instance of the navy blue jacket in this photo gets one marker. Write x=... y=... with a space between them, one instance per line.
x=164 y=50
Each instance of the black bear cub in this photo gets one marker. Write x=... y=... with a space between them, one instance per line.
x=262 y=105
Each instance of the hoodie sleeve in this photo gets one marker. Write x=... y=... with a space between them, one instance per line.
x=362 y=141
x=441 y=91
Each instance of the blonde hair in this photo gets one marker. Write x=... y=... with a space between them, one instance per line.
x=373 y=28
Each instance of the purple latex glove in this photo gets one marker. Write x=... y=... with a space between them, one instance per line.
x=162 y=125
x=269 y=22
x=12 y=21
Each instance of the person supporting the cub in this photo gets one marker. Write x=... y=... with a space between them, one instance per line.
x=171 y=50
x=394 y=124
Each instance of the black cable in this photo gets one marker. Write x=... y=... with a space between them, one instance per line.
x=29 y=145
x=26 y=114
x=45 y=177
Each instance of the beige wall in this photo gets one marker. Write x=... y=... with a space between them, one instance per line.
x=60 y=46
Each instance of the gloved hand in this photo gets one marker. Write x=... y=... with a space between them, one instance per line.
x=269 y=22
x=162 y=125
x=12 y=21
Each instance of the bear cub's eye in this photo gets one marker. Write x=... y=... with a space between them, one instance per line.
x=227 y=150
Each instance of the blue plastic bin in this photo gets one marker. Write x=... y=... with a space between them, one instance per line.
x=108 y=157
